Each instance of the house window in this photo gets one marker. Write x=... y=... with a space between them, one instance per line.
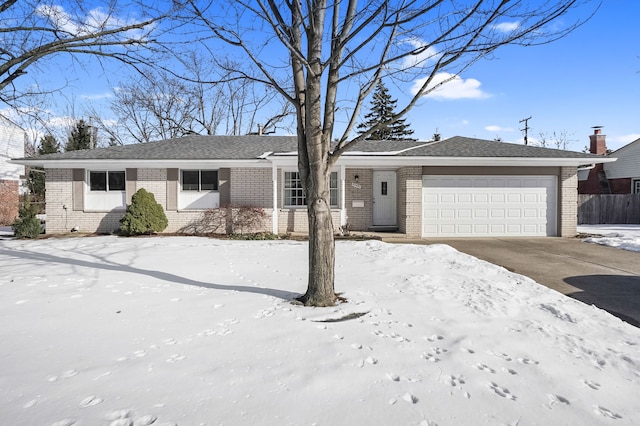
x=294 y=194
x=106 y=181
x=635 y=186
x=199 y=180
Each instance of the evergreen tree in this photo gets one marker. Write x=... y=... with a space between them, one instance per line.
x=81 y=137
x=382 y=110
x=36 y=181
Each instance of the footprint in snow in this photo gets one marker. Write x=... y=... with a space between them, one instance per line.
x=90 y=401
x=484 y=367
x=175 y=358
x=598 y=409
x=557 y=399
x=145 y=420
x=30 y=404
x=412 y=399
x=500 y=391
x=592 y=385
x=65 y=375
x=434 y=338
x=527 y=361
x=65 y=422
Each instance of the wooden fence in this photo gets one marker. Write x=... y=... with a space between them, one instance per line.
x=608 y=208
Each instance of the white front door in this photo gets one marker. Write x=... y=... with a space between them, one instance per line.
x=384 y=198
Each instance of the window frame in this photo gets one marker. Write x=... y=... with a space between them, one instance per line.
x=201 y=187
x=107 y=180
x=334 y=190
x=635 y=186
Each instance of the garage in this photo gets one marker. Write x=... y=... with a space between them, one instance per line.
x=484 y=206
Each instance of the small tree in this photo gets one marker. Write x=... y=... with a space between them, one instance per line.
x=143 y=216
x=27 y=225
x=36 y=181
x=81 y=137
x=383 y=113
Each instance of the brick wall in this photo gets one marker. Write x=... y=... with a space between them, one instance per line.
x=410 y=201
x=62 y=218
x=359 y=218
x=252 y=187
x=9 y=201
x=568 y=208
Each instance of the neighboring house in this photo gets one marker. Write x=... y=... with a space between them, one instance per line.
x=11 y=146
x=624 y=174
x=455 y=187
x=619 y=177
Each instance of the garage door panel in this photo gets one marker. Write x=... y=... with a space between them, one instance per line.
x=489 y=205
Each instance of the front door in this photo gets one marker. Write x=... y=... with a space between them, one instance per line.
x=384 y=198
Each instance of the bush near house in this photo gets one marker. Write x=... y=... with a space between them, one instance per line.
x=27 y=225
x=143 y=216
x=232 y=220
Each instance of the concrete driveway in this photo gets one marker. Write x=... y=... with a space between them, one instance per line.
x=597 y=275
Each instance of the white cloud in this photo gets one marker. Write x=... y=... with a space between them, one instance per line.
x=450 y=86
x=507 y=27
x=97 y=96
x=421 y=59
x=493 y=128
x=625 y=139
x=96 y=20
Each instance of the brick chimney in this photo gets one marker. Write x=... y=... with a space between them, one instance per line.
x=598 y=142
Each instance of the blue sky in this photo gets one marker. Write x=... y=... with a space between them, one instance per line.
x=591 y=77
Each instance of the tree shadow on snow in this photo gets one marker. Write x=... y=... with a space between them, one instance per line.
x=101 y=263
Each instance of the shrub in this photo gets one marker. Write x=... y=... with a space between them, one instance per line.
x=232 y=220
x=27 y=225
x=143 y=216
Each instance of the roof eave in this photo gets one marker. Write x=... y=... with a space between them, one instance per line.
x=137 y=163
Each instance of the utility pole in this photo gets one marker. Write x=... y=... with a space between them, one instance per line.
x=526 y=129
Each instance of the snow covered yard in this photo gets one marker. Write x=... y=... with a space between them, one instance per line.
x=626 y=237
x=195 y=331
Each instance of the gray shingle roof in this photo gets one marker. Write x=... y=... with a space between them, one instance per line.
x=459 y=146
x=196 y=147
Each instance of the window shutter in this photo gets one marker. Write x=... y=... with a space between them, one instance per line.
x=224 y=186
x=172 y=189
x=131 y=176
x=77 y=189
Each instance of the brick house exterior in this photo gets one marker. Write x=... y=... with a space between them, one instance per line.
x=619 y=177
x=482 y=187
x=11 y=146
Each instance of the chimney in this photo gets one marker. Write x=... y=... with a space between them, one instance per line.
x=598 y=141
x=260 y=129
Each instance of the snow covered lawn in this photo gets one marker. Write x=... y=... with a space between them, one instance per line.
x=626 y=237
x=195 y=331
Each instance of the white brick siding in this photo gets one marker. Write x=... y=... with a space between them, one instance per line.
x=568 y=202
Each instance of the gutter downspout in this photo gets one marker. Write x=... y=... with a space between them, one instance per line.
x=343 y=196
x=274 y=213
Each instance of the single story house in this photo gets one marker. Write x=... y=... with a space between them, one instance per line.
x=454 y=187
x=12 y=139
x=619 y=177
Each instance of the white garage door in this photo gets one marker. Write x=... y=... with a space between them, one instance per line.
x=477 y=206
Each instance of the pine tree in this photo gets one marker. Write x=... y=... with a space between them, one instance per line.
x=382 y=110
x=81 y=137
x=36 y=180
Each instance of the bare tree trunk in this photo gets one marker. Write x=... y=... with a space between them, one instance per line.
x=320 y=287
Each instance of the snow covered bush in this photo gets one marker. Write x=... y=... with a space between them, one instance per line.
x=27 y=225
x=144 y=215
